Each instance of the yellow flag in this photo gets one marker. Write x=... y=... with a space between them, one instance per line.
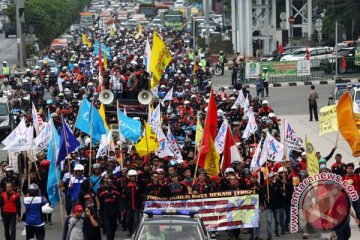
x=85 y=40
x=148 y=143
x=160 y=59
x=328 y=120
x=347 y=123
x=312 y=161
x=102 y=114
x=212 y=160
x=105 y=60
x=199 y=132
x=112 y=30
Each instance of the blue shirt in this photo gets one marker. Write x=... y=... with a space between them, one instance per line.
x=33 y=210
x=76 y=185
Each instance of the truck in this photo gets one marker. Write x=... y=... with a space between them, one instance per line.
x=151 y=9
x=174 y=20
x=87 y=19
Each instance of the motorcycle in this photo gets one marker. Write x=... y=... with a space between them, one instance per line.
x=15 y=117
x=217 y=69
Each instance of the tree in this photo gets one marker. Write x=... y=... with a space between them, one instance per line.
x=49 y=18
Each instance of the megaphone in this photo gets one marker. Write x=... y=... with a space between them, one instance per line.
x=106 y=96
x=145 y=97
x=46 y=209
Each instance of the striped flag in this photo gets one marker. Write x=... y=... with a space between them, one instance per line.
x=37 y=120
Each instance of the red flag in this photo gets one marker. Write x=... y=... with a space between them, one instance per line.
x=210 y=129
x=100 y=61
x=307 y=56
x=281 y=49
x=230 y=153
x=343 y=63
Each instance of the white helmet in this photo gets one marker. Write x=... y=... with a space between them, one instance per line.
x=265 y=102
x=4 y=62
x=79 y=167
x=8 y=169
x=229 y=170
x=282 y=169
x=46 y=209
x=132 y=173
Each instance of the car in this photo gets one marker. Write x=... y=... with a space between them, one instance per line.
x=276 y=55
x=355 y=98
x=51 y=62
x=69 y=38
x=340 y=89
x=75 y=27
x=316 y=55
x=9 y=29
x=5 y=127
x=328 y=65
x=170 y=223
x=59 y=44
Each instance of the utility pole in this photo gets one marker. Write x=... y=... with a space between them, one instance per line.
x=206 y=13
x=336 y=50
x=20 y=38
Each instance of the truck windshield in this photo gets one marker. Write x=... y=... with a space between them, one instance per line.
x=173 y=18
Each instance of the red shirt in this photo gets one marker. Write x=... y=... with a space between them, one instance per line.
x=303 y=165
x=353 y=179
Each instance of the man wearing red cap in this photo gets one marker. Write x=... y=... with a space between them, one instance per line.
x=74 y=227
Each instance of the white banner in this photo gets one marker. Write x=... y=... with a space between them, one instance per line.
x=252 y=70
x=303 y=68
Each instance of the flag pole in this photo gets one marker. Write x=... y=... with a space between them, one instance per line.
x=66 y=143
x=57 y=179
x=284 y=158
x=146 y=140
x=91 y=130
x=202 y=141
x=82 y=102
x=118 y=116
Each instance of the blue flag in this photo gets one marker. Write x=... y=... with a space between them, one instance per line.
x=68 y=142
x=129 y=128
x=52 y=188
x=103 y=50
x=84 y=119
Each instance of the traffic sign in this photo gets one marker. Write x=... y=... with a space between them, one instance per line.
x=283 y=16
x=291 y=19
x=318 y=24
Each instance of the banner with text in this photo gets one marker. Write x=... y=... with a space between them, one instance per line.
x=252 y=70
x=328 y=120
x=276 y=69
x=303 y=68
x=219 y=211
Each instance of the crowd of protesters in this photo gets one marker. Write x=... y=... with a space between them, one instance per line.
x=112 y=193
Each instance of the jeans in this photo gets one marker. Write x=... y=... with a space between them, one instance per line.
x=260 y=92
x=255 y=232
x=282 y=219
x=133 y=218
x=110 y=225
x=118 y=94
x=32 y=231
x=356 y=206
x=266 y=86
x=313 y=108
x=287 y=215
x=270 y=214
x=10 y=226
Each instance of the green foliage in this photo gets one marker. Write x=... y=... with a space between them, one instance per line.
x=49 y=18
x=10 y=12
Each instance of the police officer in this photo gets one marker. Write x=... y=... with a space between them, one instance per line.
x=9 y=172
x=222 y=61
x=265 y=76
x=5 y=70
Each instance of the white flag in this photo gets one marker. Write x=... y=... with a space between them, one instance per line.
x=21 y=141
x=155 y=121
x=103 y=147
x=21 y=128
x=272 y=149
x=169 y=95
x=147 y=55
x=221 y=136
x=292 y=141
x=164 y=149
x=255 y=161
x=43 y=139
x=173 y=144
x=241 y=101
x=251 y=126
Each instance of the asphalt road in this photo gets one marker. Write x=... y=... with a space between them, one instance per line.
x=287 y=101
x=8 y=49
